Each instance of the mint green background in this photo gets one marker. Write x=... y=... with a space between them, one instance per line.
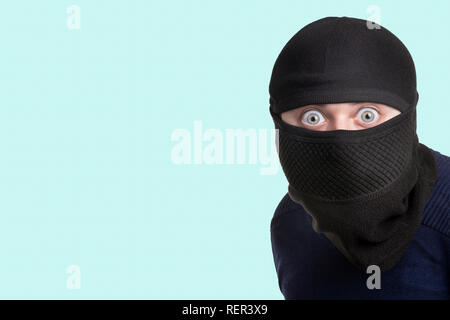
x=85 y=123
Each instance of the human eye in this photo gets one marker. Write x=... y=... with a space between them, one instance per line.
x=368 y=115
x=312 y=117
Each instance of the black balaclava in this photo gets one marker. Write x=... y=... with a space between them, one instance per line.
x=365 y=189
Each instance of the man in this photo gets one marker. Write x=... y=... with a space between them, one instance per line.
x=363 y=193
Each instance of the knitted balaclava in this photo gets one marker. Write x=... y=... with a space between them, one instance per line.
x=365 y=189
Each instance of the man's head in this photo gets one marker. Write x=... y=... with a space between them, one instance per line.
x=343 y=98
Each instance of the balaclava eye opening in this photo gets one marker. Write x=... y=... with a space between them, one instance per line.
x=365 y=189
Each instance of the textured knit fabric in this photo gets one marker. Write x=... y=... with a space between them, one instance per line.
x=309 y=266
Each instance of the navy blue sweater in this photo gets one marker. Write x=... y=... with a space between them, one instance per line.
x=310 y=267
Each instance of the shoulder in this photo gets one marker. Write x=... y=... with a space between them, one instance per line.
x=443 y=163
x=437 y=210
x=288 y=214
x=285 y=205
